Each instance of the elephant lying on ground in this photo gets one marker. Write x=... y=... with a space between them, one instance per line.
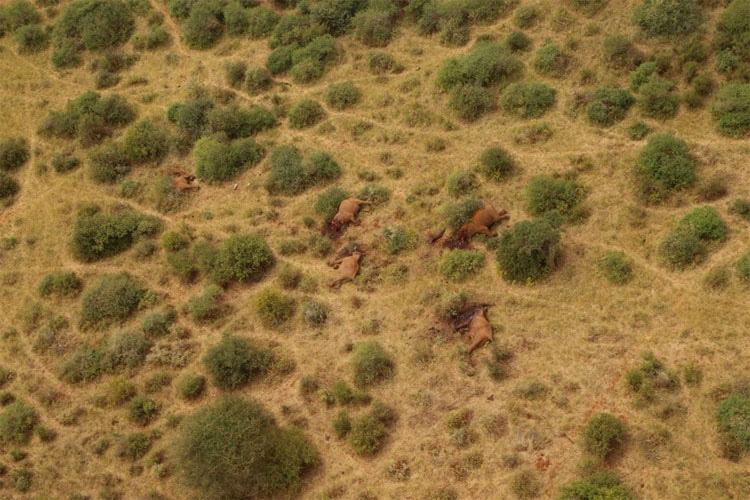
x=181 y=180
x=347 y=266
x=347 y=213
x=474 y=321
x=480 y=223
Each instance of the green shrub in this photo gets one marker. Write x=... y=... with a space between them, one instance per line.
x=173 y=241
x=665 y=165
x=113 y=298
x=602 y=484
x=731 y=108
x=342 y=424
x=656 y=98
x=145 y=142
x=642 y=74
x=518 y=41
x=280 y=60
x=462 y=183
x=261 y=22
x=527 y=15
x=234 y=362
x=65 y=162
x=460 y=265
x=371 y=364
x=287 y=173
x=157 y=324
x=257 y=79
x=125 y=350
x=497 y=164
x=218 y=161
x=97 y=235
x=154 y=38
x=456 y=214
x=705 y=223
x=109 y=163
x=399 y=239
x=616 y=267
x=603 y=434
x=638 y=130
x=233 y=449
x=119 y=391
x=31 y=39
x=375 y=193
x=327 y=203
x=528 y=252
x=343 y=95
x=380 y=62
x=243 y=258
x=142 y=410
x=66 y=56
x=682 y=248
x=620 y=53
x=235 y=19
x=741 y=207
x=62 y=284
x=527 y=100
x=546 y=194
x=273 y=308
x=608 y=106
x=8 y=186
x=190 y=117
x=16 y=14
x=94 y=24
x=234 y=73
x=367 y=435
x=206 y=306
x=133 y=446
x=191 y=386
x=734 y=419
x=203 y=28
x=487 y=64
x=320 y=167
x=742 y=266
x=551 y=61
x=85 y=365
x=374 y=27
x=14 y=152
x=305 y=114
x=236 y=122
x=17 y=423
x=667 y=17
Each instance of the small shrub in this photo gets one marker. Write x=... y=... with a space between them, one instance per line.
x=8 y=186
x=17 y=422
x=327 y=203
x=305 y=114
x=367 y=435
x=343 y=95
x=261 y=21
x=14 y=152
x=545 y=194
x=603 y=434
x=154 y=38
x=705 y=223
x=616 y=267
x=608 y=106
x=734 y=420
x=133 y=446
x=203 y=27
x=742 y=266
x=62 y=284
x=125 y=350
x=667 y=17
x=342 y=424
x=234 y=362
x=119 y=391
x=528 y=252
x=399 y=239
x=206 y=306
x=717 y=278
x=244 y=258
x=273 y=308
x=731 y=110
x=218 y=161
x=656 y=98
x=470 y=102
x=85 y=365
x=320 y=167
x=456 y=214
x=682 y=248
x=16 y=14
x=31 y=39
x=287 y=173
x=741 y=207
x=487 y=64
x=551 y=61
x=620 y=53
x=497 y=164
x=518 y=41
x=462 y=183
x=142 y=410
x=108 y=163
x=371 y=364
x=527 y=16
x=65 y=162
x=638 y=130
x=527 y=100
x=525 y=484
x=315 y=313
x=257 y=80
x=665 y=165
x=375 y=193
x=602 y=484
x=157 y=324
x=460 y=265
x=113 y=298
x=380 y=62
x=191 y=386
x=145 y=142
x=374 y=27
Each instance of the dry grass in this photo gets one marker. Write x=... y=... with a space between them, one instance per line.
x=576 y=333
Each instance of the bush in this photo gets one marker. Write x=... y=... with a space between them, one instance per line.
x=305 y=114
x=65 y=162
x=133 y=446
x=17 y=423
x=399 y=239
x=486 y=65
x=706 y=224
x=203 y=28
x=620 y=53
x=243 y=258
x=108 y=163
x=207 y=306
x=261 y=22
x=14 y=152
x=367 y=435
x=126 y=349
x=546 y=194
x=603 y=434
x=320 y=167
x=327 y=203
x=742 y=266
x=734 y=419
x=527 y=100
x=315 y=313
x=470 y=102
x=602 y=484
x=682 y=248
x=234 y=73
x=145 y=142
x=457 y=214
x=667 y=17
x=656 y=98
x=518 y=41
x=528 y=252
x=497 y=164
x=374 y=27
x=235 y=19
x=462 y=183
x=257 y=79
x=94 y=24
x=638 y=130
x=551 y=61
x=665 y=165
x=218 y=161
x=616 y=267
x=236 y=123
x=273 y=308
x=279 y=60
x=113 y=298
x=234 y=362
x=460 y=265
x=608 y=106
x=142 y=410
x=342 y=424
x=717 y=278
x=62 y=284
x=233 y=449
x=66 y=56
x=375 y=193
x=8 y=186
x=731 y=108
x=119 y=391
x=527 y=16
x=343 y=95
x=173 y=241
x=287 y=174
x=371 y=364
x=85 y=365
x=380 y=62
x=16 y=14
x=155 y=37
x=191 y=386
x=157 y=324
x=97 y=235
x=31 y=39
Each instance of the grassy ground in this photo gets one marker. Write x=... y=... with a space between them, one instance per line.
x=576 y=333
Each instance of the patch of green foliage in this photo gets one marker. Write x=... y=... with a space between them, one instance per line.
x=497 y=164
x=460 y=265
x=94 y=25
x=665 y=165
x=191 y=386
x=603 y=434
x=462 y=183
x=599 y=485
x=17 y=423
x=399 y=239
x=97 y=235
x=273 y=308
x=221 y=161
x=616 y=267
x=545 y=194
x=234 y=362
x=689 y=242
x=527 y=99
x=14 y=152
x=371 y=364
x=529 y=251
x=550 y=60
x=657 y=99
x=305 y=114
x=343 y=95
x=61 y=284
x=608 y=106
x=113 y=298
x=731 y=109
x=668 y=17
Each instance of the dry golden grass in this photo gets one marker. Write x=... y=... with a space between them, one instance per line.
x=575 y=333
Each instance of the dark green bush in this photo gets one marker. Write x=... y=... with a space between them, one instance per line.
x=742 y=266
x=94 y=24
x=667 y=17
x=280 y=60
x=640 y=75
x=730 y=40
x=320 y=167
x=62 y=284
x=470 y=102
x=295 y=29
x=367 y=435
x=191 y=117
x=527 y=100
x=218 y=161
x=705 y=223
x=66 y=56
x=157 y=324
x=327 y=203
x=375 y=193
x=665 y=165
x=237 y=123
x=85 y=365
x=460 y=265
x=65 y=162
x=203 y=28
x=257 y=79
x=233 y=449
x=305 y=114
x=518 y=41
x=343 y=95
x=173 y=241
x=551 y=61
x=399 y=239
x=371 y=364
x=154 y=38
x=456 y=214
x=31 y=39
x=142 y=410
x=8 y=186
x=234 y=72
x=145 y=142
x=462 y=183
x=380 y=62
x=603 y=434
x=546 y=194
x=14 y=152
x=731 y=108
x=608 y=106
x=486 y=65
x=261 y=22
x=342 y=424
x=599 y=485
x=616 y=267
x=374 y=27
x=234 y=362
x=243 y=258
x=273 y=308
x=497 y=164
x=90 y=117
x=335 y=15
x=236 y=19
x=191 y=386
x=133 y=446
x=734 y=420
x=113 y=298
x=528 y=252
x=656 y=98
x=105 y=80
x=741 y=207
x=682 y=248
x=109 y=163
x=16 y=14
x=97 y=235
x=17 y=422
x=638 y=130
x=287 y=173
x=206 y=306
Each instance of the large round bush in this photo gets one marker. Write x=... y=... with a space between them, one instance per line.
x=528 y=252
